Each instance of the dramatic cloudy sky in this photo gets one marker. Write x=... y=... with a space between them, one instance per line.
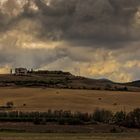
x=94 y=38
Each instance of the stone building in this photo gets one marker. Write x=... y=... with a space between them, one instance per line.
x=21 y=71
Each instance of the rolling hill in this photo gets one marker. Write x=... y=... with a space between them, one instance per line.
x=59 y=79
x=134 y=83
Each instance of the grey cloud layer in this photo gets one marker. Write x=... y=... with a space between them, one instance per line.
x=79 y=21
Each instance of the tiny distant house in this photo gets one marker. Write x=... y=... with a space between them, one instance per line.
x=21 y=71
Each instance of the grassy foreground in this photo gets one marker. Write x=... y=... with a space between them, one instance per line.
x=53 y=136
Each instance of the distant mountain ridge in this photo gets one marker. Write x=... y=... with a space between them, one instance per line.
x=134 y=83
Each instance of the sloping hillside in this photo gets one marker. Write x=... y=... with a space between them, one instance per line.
x=134 y=83
x=59 y=79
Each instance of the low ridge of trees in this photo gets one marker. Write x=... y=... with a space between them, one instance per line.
x=130 y=120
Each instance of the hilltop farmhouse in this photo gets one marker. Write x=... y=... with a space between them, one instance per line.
x=25 y=71
x=21 y=71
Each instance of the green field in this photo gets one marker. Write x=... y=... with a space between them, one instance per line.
x=53 y=136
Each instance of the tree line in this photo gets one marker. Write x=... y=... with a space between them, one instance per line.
x=121 y=118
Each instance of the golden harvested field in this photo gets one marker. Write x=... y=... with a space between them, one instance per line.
x=42 y=99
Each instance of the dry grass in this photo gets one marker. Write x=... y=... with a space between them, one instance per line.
x=99 y=136
x=39 y=99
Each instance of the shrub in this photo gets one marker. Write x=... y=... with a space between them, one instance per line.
x=119 y=118
x=102 y=116
x=133 y=119
x=10 y=104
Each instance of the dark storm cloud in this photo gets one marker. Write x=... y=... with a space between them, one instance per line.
x=89 y=22
x=81 y=22
x=4 y=21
